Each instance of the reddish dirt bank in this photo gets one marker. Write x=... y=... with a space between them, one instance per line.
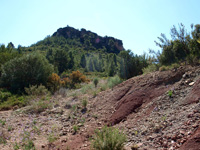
x=194 y=95
x=192 y=143
x=139 y=94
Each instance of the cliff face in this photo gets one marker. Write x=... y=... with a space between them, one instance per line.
x=88 y=38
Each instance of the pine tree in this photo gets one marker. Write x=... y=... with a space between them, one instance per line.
x=71 y=61
x=96 y=64
x=115 y=59
x=61 y=59
x=83 y=61
x=111 y=71
x=123 y=69
x=90 y=65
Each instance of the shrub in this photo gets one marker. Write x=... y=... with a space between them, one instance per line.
x=4 y=95
x=108 y=138
x=163 y=68
x=13 y=101
x=54 y=82
x=113 y=81
x=103 y=87
x=150 y=68
x=170 y=93
x=86 y=88
x=39 y=106
x=75 y=128
x=84 y=102
x=73 y=80
x=192 y=60
x=36 y=90
x=30 y=69
x=62 y=91
x=77 y=77
x=66 y=82
x=175 y=66
x=95 y=81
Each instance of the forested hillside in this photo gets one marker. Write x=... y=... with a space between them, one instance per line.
x=60 y=89
x=63 y=59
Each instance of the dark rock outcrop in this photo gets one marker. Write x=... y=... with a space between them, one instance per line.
x=85 y=37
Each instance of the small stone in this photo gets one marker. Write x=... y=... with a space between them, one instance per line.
x=191 y=83
x=139 y=144
x=189 y=133
x=183 y=141
x=190 y=115
x=150 y=138
x=185 y=76
x=195 y=125
x=188 y=122
x=182 y=132
x=174 y=137
x=64 y=141
x=165 y=144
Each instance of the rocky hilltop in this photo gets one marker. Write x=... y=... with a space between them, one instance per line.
x=91 y=39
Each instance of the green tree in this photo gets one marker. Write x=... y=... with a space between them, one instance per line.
x=19 y=49
x=83 y=61
x=96 y=64
x=30 y=69
x=196 y=32
x=10 y=46
x=71 y=61
x=2 y=48
x=176 y=49
x=115 y=59
x=111 y=71
x=59 y=58
x=90 y=65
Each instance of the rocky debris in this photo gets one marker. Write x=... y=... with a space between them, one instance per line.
x=150 y=118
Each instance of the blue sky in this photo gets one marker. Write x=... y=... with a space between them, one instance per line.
x=136 y=22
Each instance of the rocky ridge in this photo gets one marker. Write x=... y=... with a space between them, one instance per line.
x=84 y=36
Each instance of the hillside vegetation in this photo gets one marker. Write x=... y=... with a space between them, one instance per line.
x=71 y=77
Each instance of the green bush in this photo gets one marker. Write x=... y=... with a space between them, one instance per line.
x=174 y=66
x=150 y=68
x=86 y=88
x=170 y=93
x=30 y=69
x=84 y=102
x=108 y=138
x=75 y=128
x=163 y=68
x=13 y=101
x=192 y=60
x=113 y=81
x=35 y=90
x=4 y=95
x=95 y=81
